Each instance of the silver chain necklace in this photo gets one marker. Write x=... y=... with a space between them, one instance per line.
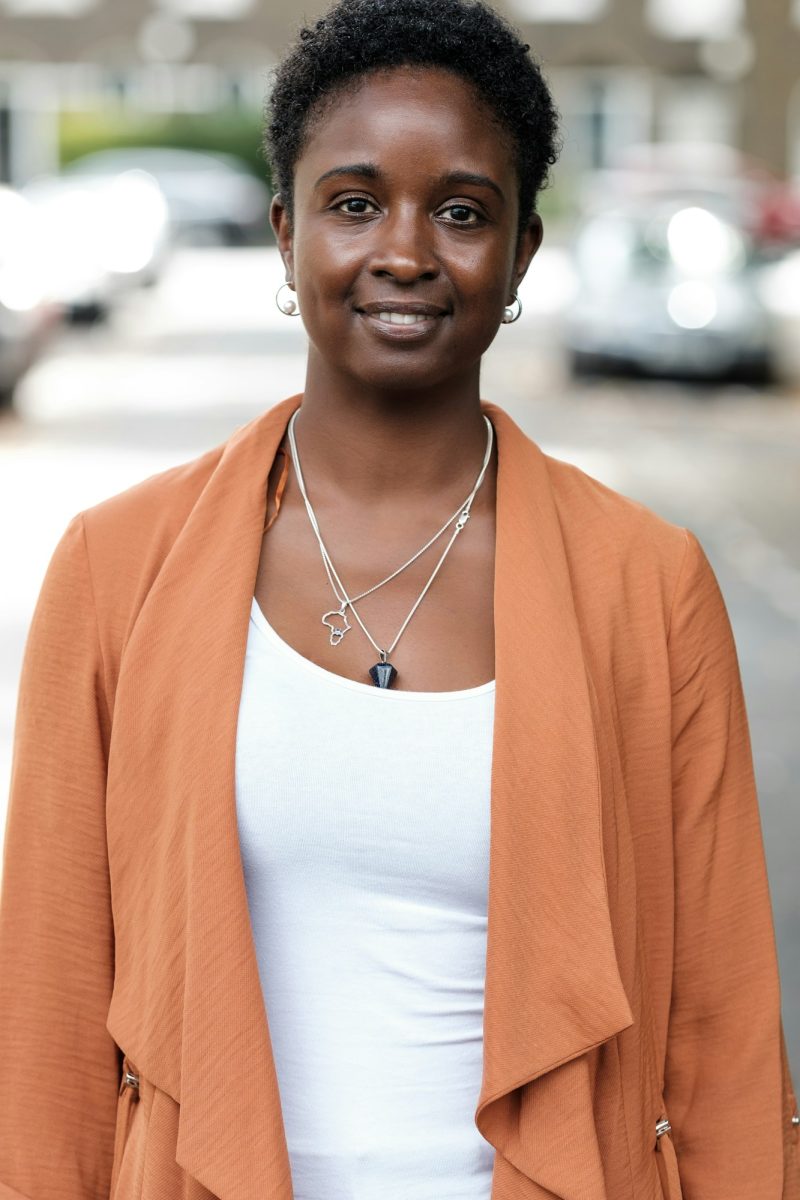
x=383 y=673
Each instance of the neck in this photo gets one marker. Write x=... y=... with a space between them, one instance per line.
x=370 y=447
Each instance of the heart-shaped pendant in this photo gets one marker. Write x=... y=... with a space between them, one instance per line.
x=337 y=631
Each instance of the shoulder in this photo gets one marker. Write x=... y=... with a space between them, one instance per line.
x=602 y=529
x=591 y=508
x=647 y=599
x=595 y=517
x=152 y=511
x=142 y=522
x=129 y=535
x=623 y=556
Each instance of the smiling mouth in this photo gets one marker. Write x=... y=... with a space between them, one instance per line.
x=397 y=318
x=401 y=327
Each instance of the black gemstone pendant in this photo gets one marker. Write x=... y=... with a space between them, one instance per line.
x=383 y=674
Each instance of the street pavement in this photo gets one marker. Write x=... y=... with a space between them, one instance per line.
x=181 y=365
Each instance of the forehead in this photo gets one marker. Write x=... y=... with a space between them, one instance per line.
x=414 y=117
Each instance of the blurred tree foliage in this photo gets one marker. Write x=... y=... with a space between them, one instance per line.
x=233 y=131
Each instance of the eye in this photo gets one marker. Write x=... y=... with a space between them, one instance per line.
x=463 y=214
x=352 y=200
x=465 y=208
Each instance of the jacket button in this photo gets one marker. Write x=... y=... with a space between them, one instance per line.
x=131 y=1080
x=663 y=1126
x=795 y=1119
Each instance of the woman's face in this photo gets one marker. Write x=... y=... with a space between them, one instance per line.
x=382 y=220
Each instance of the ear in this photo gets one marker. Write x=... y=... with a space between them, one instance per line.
x=279 y=220
x=529 y=242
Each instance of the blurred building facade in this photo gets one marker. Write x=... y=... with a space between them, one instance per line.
x=673 y=70
x=623 y=71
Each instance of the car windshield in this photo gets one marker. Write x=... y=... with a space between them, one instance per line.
x=688 y=240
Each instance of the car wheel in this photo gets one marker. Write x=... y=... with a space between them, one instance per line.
x=582 y=363
x=94 y=312
x=233 y=234
x=759 y=372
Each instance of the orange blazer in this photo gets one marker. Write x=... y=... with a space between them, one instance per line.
x=633 y=1043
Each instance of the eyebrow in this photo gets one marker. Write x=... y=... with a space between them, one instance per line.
x=371 y=171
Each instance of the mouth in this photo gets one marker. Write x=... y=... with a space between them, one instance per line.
x=401 y=318
x=402 y=326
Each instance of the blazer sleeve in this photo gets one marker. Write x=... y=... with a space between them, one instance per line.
x=59 y=1066
x=728 y=1091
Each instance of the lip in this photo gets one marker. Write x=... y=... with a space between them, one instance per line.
x=393 y=332
x=418 y=307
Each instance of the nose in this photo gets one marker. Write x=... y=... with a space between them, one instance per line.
x=404 y=246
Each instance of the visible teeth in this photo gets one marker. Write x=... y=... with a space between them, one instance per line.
x=402 y=318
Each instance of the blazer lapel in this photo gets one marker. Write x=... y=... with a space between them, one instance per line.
x=190 y=1012
x=553 y=988
x=231 y=1135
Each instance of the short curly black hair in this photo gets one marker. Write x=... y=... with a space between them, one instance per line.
x=358 y=37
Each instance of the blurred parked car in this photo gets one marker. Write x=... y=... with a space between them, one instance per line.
x=210 y=196
x=26 y=314
x=736 y=185
x=668 y=287
x=103 y=236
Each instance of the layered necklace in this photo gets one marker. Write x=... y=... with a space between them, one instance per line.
x=383 y=673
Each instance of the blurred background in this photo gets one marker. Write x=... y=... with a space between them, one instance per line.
x=657 y=349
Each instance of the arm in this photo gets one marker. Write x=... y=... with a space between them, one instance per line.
x=728 y=1091
x=59 y=1066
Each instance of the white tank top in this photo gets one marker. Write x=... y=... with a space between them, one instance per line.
x=363 y=820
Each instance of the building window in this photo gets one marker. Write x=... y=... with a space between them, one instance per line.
x=208 y=10
x=699 y=111
x=602 y=113
x=48 y=8
x=793 y=133
x=686 y=19
x=559 y=11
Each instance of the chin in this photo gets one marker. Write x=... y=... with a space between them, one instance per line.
x=397 y=376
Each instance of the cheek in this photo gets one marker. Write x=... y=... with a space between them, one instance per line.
x=480 y=277
x=325 y=281
x=320 y=254
x=480 y=300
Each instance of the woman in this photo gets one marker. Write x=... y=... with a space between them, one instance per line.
x=256 y=940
